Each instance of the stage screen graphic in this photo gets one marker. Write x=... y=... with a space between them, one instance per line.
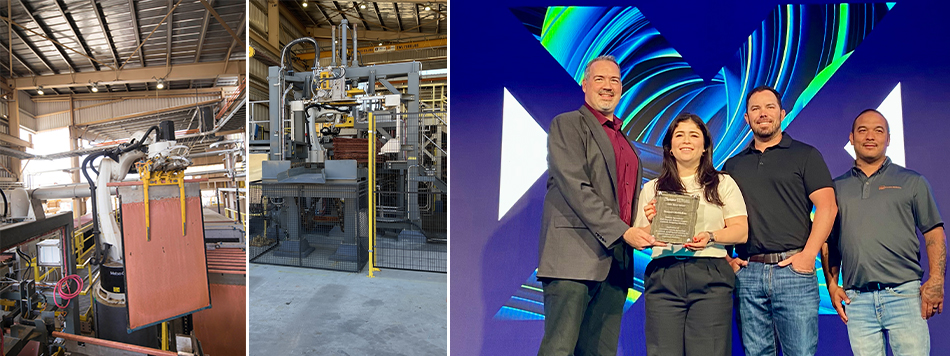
x=830 y=61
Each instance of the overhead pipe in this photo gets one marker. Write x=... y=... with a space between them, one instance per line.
x=68 y=191
x=333 y=44
x=214 y=153
x=283 y=53
x=283 y=81
x=355 y=62
x=343 y=54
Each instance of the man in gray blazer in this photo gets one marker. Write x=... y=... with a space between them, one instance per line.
x=585 y=261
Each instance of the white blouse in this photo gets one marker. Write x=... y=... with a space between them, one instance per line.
x=710 y=217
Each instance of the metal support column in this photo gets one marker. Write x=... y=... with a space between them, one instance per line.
x=276 y=127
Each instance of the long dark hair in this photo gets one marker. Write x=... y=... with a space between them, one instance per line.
x=707 y=176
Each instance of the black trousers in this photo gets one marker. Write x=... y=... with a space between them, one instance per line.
x=689 y=306
x=582 y=318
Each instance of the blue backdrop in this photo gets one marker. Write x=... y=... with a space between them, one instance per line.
x=830 y=60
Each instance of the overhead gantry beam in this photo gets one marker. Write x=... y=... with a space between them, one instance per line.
x=323 y=33
x=110 y=97
x=205 y=70
x=415 y=45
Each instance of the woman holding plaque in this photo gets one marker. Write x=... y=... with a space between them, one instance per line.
x=688 y=285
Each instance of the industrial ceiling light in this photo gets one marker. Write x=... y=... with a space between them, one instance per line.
x=304 y=3
x=363 y=6
x=95 y=87
x=161 y=83
x=428 y=7
x=39 y=90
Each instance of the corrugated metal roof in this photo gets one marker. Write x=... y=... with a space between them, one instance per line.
x=87 y=111
x=134 y=106
x=110 y=31
x=99 y=35
x=377 y=16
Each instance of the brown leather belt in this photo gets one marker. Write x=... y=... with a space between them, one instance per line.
x=773 y=258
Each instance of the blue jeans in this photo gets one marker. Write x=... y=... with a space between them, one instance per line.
x=780 y=300
x=895 y=310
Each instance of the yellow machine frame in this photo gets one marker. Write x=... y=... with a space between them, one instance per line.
x=150 y=178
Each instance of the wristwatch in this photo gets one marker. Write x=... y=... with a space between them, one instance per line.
x=712 y=237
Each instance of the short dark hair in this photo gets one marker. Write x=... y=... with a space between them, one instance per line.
x=854 y=124
x=605 y=57
x=761 y=88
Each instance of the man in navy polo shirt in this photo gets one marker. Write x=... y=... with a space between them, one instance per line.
x=874 y=242
x=781 y=180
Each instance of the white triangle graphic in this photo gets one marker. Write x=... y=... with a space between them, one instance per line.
x=893 y=111
x=524 y=154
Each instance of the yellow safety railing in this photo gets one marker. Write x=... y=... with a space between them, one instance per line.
x=264 y=235
x=82 y=254
x=372 y=195
x=86 y=315
x=231 y=213
x=36 y=270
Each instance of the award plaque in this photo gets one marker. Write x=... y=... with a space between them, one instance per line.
x=675 y=220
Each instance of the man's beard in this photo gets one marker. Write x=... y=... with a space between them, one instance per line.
x=765 y=133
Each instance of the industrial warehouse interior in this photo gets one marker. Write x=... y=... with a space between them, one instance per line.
x=122 y=170
x=347 y=177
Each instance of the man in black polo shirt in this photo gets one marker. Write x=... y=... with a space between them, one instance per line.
x=882 y=205
x=781 y=180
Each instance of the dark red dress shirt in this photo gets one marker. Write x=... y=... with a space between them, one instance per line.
x=627 y=164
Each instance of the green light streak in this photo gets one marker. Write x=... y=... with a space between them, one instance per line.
x=745 y=79
x=788 y=41
x=815 y=85
x=553 y=25
x=842 y=34
x=633 y=295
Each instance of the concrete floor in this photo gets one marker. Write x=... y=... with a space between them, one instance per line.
x=301 y=311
